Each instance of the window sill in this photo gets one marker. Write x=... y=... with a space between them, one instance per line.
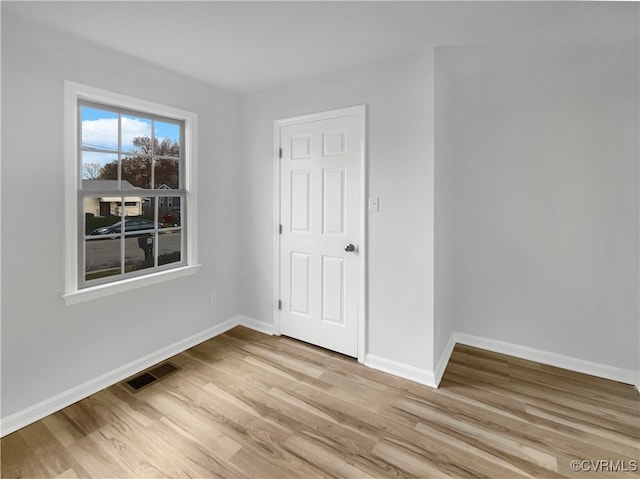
x=95 y=292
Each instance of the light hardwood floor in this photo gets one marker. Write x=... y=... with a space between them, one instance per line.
x=248 y=405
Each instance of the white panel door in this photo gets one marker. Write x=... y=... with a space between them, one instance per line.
x=320 y=212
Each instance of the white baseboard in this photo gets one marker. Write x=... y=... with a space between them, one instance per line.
x=260 y=326
x=413 y=373
x=552 y=359
x=444 y=359
x=37 y=411
x=432 y=379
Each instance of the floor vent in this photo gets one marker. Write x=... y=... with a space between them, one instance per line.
x=149 y=377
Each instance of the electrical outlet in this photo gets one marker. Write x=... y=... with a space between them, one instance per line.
x=213 y=297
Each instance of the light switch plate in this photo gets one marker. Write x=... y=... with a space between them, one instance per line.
x=374 y=204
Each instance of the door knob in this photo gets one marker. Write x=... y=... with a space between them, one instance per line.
x=349 y=248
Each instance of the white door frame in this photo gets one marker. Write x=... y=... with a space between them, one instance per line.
x=361 y=112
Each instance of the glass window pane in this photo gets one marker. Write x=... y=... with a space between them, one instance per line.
x=148 y=208
x=99 y=128
x=136 y=134
x=169 y=247
x=126 y=227
x=166 y=173
x=136 y=172
x=137 y=224
x=101 y=216
x=99 y=171
x=169 y=212
x=138 y=252
x=102 y=257
x=167 y=139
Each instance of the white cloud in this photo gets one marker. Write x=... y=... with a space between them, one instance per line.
x=103 y=132
x=131 y=128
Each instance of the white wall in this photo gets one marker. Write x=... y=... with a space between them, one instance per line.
x=445 y=194
x=47 y=347
x=399 y=95
x=537 y=169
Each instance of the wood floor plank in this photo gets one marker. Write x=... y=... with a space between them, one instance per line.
x=68 y=474
x=133 y=452
x=412 y=464
x=331 y=462
x=479 y=433
x=96 y=460
x=206 y=460
x=43 y=444
x=63 y=428
x=573 y=407
x=206 y=432
x=18 y=460
x=528 y=430
x=249 y=405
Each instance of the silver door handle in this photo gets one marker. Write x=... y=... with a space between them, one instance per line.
x=350 y=248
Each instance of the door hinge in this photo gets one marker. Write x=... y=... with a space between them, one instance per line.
x=280 y=153
x=280 y=304
x=280 y=229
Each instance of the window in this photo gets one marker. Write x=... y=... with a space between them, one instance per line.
x=130 y=165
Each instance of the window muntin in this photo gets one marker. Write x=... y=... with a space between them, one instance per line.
x=127 y=161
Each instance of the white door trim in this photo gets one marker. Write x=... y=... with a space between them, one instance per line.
x=361 y=112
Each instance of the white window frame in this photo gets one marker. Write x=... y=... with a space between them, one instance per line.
x=73 y=93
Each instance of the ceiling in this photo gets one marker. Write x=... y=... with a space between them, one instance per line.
x=251 y=46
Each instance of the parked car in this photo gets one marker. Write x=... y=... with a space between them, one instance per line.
x=129 y=225
x=172 y=218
